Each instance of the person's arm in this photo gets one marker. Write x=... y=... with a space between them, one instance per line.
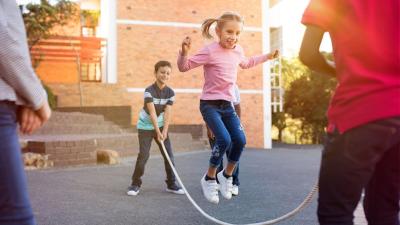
x=186 y=63
x=236 y=102
x=255 y=60
x=15 y=63
x=238 y=110
x=310 y=54
x=153 y=118
x=16 y=69
x=210 y=134
x=168 y=112
x=167 y=119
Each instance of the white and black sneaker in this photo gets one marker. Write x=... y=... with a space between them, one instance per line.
x=225 y=185
x=175 y=189
x=210 y=189
x=133 y=190
x=235 y=190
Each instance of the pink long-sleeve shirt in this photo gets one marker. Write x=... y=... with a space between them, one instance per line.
x=220 y=69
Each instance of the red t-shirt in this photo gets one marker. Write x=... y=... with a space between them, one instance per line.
x=365 y=37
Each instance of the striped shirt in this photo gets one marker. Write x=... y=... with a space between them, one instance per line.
x=160 y=98
x=18 y=81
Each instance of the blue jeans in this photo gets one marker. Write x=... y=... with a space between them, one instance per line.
x=366 y=157
x=221 y=118
x=235 y=174
x=14 y=199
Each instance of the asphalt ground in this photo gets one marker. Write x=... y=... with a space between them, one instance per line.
x=273 y=182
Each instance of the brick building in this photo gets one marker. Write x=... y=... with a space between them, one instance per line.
x=136 y=35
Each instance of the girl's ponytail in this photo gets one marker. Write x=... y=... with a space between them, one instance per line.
x=205 y=28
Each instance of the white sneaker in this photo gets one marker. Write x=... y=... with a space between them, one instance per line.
x=210 y=190
x=133 y=190
x=175 y=189
x=225 y=185
x=178 y=192
x=235 y=190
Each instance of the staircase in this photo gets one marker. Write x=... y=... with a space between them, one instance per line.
x=73 y=138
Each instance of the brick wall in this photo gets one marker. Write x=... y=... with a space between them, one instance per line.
x=193 y=11
x=140 y=46
x=93 y=94
x=119 y=115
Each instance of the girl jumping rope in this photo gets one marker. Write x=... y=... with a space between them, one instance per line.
x=220 y=61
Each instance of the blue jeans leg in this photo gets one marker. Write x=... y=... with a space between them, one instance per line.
x=236 y=132
x=235 y=174
x=14 y=199
x=225 y=125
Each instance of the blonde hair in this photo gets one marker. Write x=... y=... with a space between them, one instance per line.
x=227 y=16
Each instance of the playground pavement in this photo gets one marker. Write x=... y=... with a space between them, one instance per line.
x=273 y=182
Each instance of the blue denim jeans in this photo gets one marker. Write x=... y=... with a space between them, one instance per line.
x=364 y=158
x=221 y=118
x=235 y=174
x=15 y=207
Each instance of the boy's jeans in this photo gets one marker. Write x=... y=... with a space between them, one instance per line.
x=15 y=207
x=145 y=139
x=221 y=118
x=366 y=157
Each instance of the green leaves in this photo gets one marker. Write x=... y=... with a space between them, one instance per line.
x=306 y=98
x=41 y=18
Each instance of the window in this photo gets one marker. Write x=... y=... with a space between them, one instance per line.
x=91 y=72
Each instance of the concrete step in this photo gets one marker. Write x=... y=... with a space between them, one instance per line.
x=76 y=128
x=75 y=117
x=67 y=150
x=78 y=123
x=73 y=138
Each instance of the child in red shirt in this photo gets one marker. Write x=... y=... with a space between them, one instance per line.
x=363 y=146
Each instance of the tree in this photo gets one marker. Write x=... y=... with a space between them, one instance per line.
x=307 y=99
x=279 y=121
x=292 y=69
x=41 y=18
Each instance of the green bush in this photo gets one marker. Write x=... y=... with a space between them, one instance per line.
x=52 y=98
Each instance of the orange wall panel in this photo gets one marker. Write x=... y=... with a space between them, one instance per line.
x=58 y=72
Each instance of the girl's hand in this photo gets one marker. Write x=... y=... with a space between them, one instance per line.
x=273 y=55
x=186 y=46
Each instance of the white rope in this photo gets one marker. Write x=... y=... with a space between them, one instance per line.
x=305 y=202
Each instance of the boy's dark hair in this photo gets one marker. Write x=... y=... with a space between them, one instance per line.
x=161 y=63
